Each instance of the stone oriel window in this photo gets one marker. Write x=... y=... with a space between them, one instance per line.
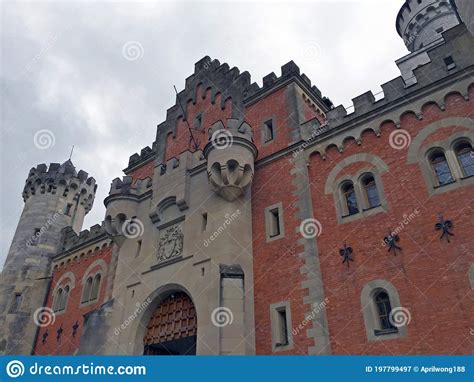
x=465 y=156
x=440 y=167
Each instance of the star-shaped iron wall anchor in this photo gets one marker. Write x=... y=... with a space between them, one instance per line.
x=444 y=226
x=346 y=253
x=74 y=329
x=45 y=337
x=391 y=240
x=59 y=332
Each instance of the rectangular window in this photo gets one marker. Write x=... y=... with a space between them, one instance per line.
x=15 y=304
x=449 y=62
x=139 y=248
x=282 y=327
x=67 y=210
x=197 y=121
x=280 y=317
x=274 y=222
x=268 y=131
x=204 y=222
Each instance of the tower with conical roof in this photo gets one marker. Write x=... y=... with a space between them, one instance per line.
x=55 y=197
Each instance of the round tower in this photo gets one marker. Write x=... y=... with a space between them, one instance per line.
x=55 y=197
x=421 y=22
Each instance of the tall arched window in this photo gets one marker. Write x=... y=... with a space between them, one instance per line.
x=382 y=303
x=370 y=191
x=440 y=167
x=57 y=300
x=349 y=198
x=64 y=297
x=95 y=287
x=465 y=156
x=86 y=294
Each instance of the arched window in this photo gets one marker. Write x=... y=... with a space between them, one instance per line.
x=349 y=198
x=64 y=297
x=86 y=295
x=383 y=306
x=465 y=156
x=370 y=191
x=57 y=300
x=440 y=167
x=95 y=287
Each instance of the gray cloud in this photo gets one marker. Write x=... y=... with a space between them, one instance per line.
x=63 y=69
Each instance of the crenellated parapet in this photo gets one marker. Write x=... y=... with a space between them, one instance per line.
x=61 y=179
x=71 y=241
x=146 y=154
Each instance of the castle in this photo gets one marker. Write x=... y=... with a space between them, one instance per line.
x=264 y=220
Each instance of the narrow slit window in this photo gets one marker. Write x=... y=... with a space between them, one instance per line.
x=204 y=222
x=139 y=248
x=268 y=132
x=67 y=210
x=15 y=304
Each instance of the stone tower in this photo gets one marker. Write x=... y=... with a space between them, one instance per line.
x=421 y=22
x=55 y=197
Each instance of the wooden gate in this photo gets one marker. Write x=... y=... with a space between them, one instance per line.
x=174 y=319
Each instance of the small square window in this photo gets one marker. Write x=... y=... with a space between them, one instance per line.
x=268 y=132
x=449 y=62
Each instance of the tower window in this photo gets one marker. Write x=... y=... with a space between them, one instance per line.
x=449 y=62
x=198 y=121
x=15 y=303
x=67 y=210
x=280 y=317
x=139 y=248
x=268 y=133
x=204 y=222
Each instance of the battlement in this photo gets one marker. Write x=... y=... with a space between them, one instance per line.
x=125 y=186
x=397 y=89
x=60 y=178
x=145 y=155
x=71 y=240
x=288 y=70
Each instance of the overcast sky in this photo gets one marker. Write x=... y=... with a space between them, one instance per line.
x=100 y=75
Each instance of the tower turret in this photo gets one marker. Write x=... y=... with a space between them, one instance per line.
x=55 y=197
x=421 y=22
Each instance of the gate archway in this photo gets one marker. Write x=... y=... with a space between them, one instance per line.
x=172 y=327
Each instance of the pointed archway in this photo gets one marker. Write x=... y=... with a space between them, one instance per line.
x=172 y=327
